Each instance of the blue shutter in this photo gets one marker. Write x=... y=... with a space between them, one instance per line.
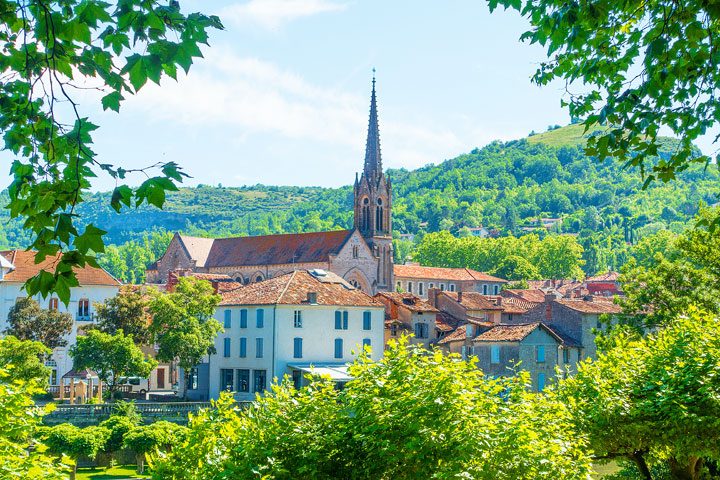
x=228 y=319
x=367 y=324
x=338 y=320
x=259 y=348
x=541 y=382
x=260 y=318
x=297 y=347
x=338 y=348
x=226 y=347
x=366 y=341
x=345 y=320
x=243 y=347
x=540 y=353
x=243 y=318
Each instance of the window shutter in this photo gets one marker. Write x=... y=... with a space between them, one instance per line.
x=338 y=320
x=345 y=320
x=243 y=318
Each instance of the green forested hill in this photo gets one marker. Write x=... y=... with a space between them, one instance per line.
x=505 y=186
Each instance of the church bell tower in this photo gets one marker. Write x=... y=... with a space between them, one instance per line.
x=373 y=202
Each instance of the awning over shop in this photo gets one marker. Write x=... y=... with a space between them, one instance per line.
x=336 y=372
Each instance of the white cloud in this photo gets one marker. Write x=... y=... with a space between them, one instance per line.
x=249 y=97
x=273 y=14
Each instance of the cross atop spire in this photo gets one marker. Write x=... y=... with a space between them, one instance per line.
x=373 y=159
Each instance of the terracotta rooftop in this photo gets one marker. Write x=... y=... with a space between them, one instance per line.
x=441 y=273
x=515 y=305
x=408 y=301
x=473 y=300
x=266 y=249
x=605 y=277
x=533 y=295
x=597 y=305
x=446 y=322
x=460 y=334
x=507 y=333
x=293 y=289
x=25 y=268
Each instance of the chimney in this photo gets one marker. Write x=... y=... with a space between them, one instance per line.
x=499 y=301
x=460 y=296
x=312 y=298
x=432 y=296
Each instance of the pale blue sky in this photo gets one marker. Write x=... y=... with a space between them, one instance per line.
x=282 y=95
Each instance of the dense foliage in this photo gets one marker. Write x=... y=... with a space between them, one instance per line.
x=410 y=415
x=26 y=359
x=51 y=51
x=634 y=67
x=28 y=321
x=126 y=311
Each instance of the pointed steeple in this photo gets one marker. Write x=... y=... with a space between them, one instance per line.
x=373 y=159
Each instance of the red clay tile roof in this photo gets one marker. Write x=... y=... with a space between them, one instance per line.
x=605 y=277
x=276 y=249
x=408 y=301
x=516 y=305
x=507 y=333
x=473 y=300
x=293 y=289
x=529 y=295
x=25 y=268
x=459 y=335
x=198 y=248
x=597 y=305
x=446 y=322
x=441 y=273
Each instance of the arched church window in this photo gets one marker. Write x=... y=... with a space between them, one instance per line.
x=379 y=201
x=259 y=278
x=379 y=217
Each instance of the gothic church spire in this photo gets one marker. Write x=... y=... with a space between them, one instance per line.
x=373 y=159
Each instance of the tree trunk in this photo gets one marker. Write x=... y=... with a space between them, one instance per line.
x=140 y=458
x=73 y=472
x=639 y=459
x=688 y=470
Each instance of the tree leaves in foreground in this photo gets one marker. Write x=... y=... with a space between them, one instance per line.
x=637 y=67
x=27 y=359
x=52 y=51
x=412 y=414
x=653 y=400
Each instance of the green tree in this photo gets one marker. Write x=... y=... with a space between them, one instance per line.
x=182 y=323
x=560 y=256
x=27 y=359
x=119 y=46
x=67 y=439
x=160 y=436
x=127 y=311
x=27 y=321
x=111 y=357
x=653 y=399
x=516 y=268
x=21 y=455
x=409 y=415
x=638 y=68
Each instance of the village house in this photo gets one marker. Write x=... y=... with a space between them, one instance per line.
x=363 y=256
x=418 y=280
x=96 y=286
x=406 y=313
x=304 y=322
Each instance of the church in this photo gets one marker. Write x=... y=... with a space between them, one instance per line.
x=362 y=256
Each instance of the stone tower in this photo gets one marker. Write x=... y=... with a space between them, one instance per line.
x=373 y=203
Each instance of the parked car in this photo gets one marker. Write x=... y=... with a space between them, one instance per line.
x=137 y=384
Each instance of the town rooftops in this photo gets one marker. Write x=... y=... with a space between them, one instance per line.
x=459 y=335
x=300 y=287
x=25 y=268
x=518 y=332
x=441 y=273
x=295 y=248
x=604 y=277
x=473 y=300
x=533 y=295
x=408 y=301
x=592 y=305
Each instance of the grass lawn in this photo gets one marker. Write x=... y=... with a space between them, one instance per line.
x=114 y=473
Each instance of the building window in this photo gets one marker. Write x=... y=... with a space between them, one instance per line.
x=431 y=285
x=84 y=308
x=421 y=288
x=243 y=380
x=442 y=287
x=452 y=287
x=540 y=382
x=258 y=348
x=259 y=278
x=367 y=321
x=566 y=355
x=495 y=289
x=495 y=354
x=399 y=286
x=226 y=378
x=421 y=330
x=367 y=342
x=341 y=319
x=243 y=318
x=193 y=379
x=243 y=347
x=53 y=304
x=409 y=285
x=226 y=347
x=228 y=319
x=297 y=319
x=297 y=347
x=259 y=377
x=260 y=318
x=393 y=330
x=338 y=348
x=297 y=378
x=540 y=351
x=485 y=289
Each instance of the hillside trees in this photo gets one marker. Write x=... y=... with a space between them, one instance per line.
x=415 y=415
x=114 y=48
x=27 y=321
x=638 y=68
x=182 y=324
